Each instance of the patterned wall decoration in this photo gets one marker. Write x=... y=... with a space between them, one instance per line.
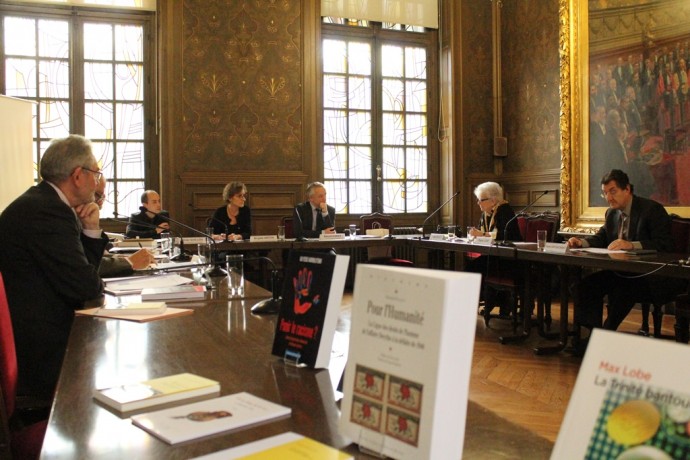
x=531 y=81
x=477 y=91
x=242 y=85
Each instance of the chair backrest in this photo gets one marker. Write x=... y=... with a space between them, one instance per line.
x=680 y=232
x=376 y=220
x=522 y=225
x=546 y=221
x=8 y=354
x=289 y=227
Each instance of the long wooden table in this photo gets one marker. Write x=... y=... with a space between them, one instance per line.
x=662 y=264
x=223 y=341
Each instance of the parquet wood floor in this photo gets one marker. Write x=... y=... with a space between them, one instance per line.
x=529 y=390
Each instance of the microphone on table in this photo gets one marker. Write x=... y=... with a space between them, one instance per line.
x=437 y=210
x=522 y=211
x=213 y=219
x=186 y=257
x=299 y=226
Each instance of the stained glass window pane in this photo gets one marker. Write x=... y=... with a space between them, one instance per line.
x=98 y=80
x=360 y=197
x=360 y=93
x=334 y=92
x=129 y=81
x=337 y=195
x=393 y=163
x=130 y=157
x=129 y=43
x=20 y=36
x=393 y=197
x=20 y=77
x=128 y=195
x=392 y=61
x=392 y=91
x=54 y=116
x=53 y=80
x=416 y=161
x=130 y=121
x=53 y=39
x=360 y=127
x=334 y=56
x=415 y=196
x=335 y=161
x=360 y=162
x=416 y=129
x=359 y=58
x=393 y=129
x=103 y=151
x=334 y=127
x=415 y=63
x=98 y=120
x=98 y=42
x=415 y=96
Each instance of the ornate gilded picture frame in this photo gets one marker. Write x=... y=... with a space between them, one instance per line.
x=595 y=41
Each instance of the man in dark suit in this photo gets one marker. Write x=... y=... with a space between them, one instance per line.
x=51 y=248
x=314 y=216
x=631 y=222
x=151 y=220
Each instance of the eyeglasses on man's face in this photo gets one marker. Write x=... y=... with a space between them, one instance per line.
x=613 y=191
x=96 y=174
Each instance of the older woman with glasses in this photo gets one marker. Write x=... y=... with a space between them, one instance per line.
x=233 y=221
x=496 y=214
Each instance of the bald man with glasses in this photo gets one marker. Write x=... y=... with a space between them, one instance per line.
x=52 y=246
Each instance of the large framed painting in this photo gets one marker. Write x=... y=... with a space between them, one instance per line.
x=625 y=103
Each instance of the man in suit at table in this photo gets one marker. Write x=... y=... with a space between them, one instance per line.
x=314 y=216
x=151 y=220
x=52 y=245
x=631 y=222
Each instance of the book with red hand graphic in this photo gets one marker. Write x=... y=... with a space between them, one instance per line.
x=312 y=294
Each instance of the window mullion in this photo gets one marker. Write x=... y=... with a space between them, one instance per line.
x=77 y=109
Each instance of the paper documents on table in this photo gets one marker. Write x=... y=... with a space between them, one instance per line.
x=134 y=284
x=599 y=251
x=168 y=313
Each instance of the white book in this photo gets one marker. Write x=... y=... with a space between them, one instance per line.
x=285 y=446
x=206 y=418
x=407 y=376
x=157 y=392
x=631 y=400
x=134 y=284
x=183 y=292
x=133 y=308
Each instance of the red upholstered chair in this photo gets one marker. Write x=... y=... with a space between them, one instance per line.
x=382 y=255
x=17 y=440
x=680 y=232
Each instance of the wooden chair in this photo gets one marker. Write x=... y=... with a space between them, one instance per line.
x=289 y=227
x=19 y=438
x=510 y=280
x=680 y=232
x=382 y=255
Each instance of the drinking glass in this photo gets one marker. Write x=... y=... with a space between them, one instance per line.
x=451 y=232
x=205 y=253
x=541 y=240
x=353 y=231
x=235 y=268
x=281 y=232
x=470 y=237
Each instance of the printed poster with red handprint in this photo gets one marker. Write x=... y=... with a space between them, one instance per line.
x=312 y=294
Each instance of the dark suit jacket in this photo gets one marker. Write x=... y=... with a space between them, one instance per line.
x=50 y=269
x=142 y=226
x=649 y=224
x=221 y=222
x=303 y=217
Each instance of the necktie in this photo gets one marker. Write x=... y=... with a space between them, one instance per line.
x=622 y=234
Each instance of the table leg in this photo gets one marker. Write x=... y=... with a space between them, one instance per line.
x=563 y=339
x=527 y=306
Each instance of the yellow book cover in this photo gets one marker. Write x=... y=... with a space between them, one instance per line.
x=285 y=446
